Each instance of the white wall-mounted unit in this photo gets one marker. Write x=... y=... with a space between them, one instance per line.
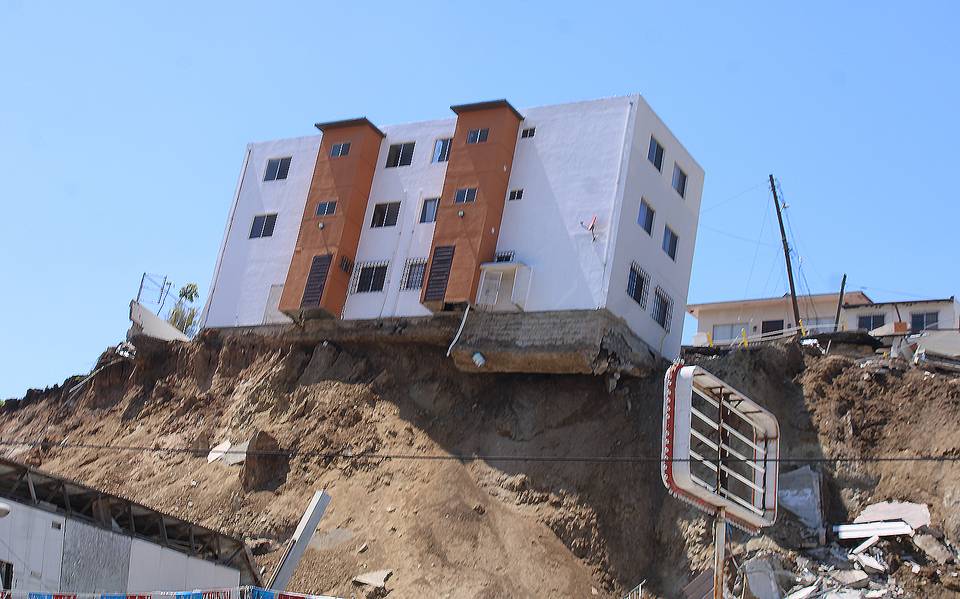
x=503 y=286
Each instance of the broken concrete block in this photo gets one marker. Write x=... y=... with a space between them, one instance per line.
x=236 y=454
x=798 y=492
x=914 y=514
x=265 y=465
x=933 y=548
x=761 y=573
x=218 y=452
x=870 y=564
x=377 y=579
x=803 y=593
x=855 y=579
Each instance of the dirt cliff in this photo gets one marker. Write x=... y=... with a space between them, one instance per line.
x=545 y=509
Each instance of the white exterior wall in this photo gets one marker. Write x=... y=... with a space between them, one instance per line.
x=947 y=313
x=568 y=172
x=31 y=540
x=642 y=180
x=755 y=314
x=153 y=568
x=409 y=185
x=247 y=268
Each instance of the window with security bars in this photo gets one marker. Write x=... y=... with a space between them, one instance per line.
x=515 y=194
x=263 y=225
x=340 y=150
x=413 y=274
x=277 y=169
x=477 y=136
x=326 y=208
x=504 y=256
x=369 y=277
x=465 y=195
x=638 y=285
x=400 y=154
x=385 y=215
x=662 y=308
x=528 y=132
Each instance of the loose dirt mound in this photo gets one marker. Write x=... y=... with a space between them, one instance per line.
x=519 y=526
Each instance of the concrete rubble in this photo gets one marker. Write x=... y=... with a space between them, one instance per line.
x=888 y=551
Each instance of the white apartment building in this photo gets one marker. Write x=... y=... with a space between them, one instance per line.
x=727 y=322
x=581 y=206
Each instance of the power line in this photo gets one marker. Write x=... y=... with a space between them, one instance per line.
x=732 y=198
x=722 y=232
x=465 y=457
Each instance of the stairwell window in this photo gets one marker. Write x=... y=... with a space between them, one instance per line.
x=515 y=194
x=340 y=150
x=638 y=285
x=326 y=208
x=670 y=241
x=400 y=154
x=662 y=308
x=645 y=218
x=263 y=225
x=385 y=215
x=428 y=213
x=679 y=180
x=369 y=277
x=655 y=154
x=465 y=195
x=477 y=136
x=277 y=169
x=441 y=149
x=528 y=133
x=413 y=273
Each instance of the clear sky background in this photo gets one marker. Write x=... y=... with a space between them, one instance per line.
x=123 y=127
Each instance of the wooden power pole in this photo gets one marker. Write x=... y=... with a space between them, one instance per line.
x=786 y=254
x=843 y=285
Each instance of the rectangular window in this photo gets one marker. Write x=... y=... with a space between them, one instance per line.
x=771 y=326
x=679 y=180
x=441 y=150
x=326 y=208
x=638 y=285
x=369 y=277
x=670 y=240
x=662 y=308
x=477 y=136
x=923 y=321
x=413 y=273
x=340 y=150
x=645 y=218
x=504 y=256
x=466 y=195
x=277 y=169
x=346 y=264
x=871 y=321
x=729 y=332
x=400 y=154
x=516 y=194
x=655 y=154
x=428 y=213
x=528 y=132
x=385 y=215
x=263 y=225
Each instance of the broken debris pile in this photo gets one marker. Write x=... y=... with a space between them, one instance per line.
x=889 y=550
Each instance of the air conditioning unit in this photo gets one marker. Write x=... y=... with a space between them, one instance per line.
x=503 y=286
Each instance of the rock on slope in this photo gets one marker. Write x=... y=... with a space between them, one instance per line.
x=485 y=527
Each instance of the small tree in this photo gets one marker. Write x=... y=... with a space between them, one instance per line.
x=183 y=314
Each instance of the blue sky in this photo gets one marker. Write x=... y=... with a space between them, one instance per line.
x=123 y=127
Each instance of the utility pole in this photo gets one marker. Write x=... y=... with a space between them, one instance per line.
x=786 y=254
x=843 y=285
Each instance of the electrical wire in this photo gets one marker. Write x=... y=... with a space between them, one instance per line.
x=732 y=198
x=722 y=232
x=291 y=453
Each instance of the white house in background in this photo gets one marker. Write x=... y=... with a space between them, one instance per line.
x=60 y=536
x=582 y=206
x=725 y=322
